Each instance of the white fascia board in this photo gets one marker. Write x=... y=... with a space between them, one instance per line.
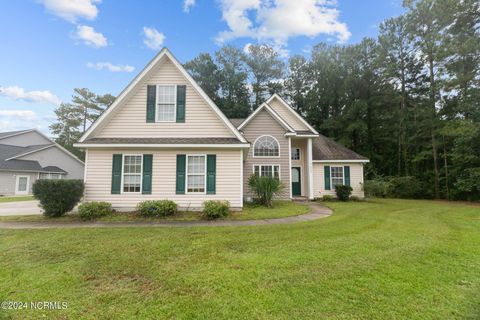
x=293 y=111
x=341 y=161
x=166 y=146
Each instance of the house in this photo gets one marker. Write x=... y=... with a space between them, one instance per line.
x=164 y=138
x=29 y=155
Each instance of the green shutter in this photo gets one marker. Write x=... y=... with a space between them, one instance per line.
x=116 y=173
x=151 y=97
x=327 y=177
x=211 y=173
x=181 y=90
x=346 y=174
x=180 y=185
x=147 y=174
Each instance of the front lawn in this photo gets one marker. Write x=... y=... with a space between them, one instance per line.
x=16 y=198
x=281 y=209
x=381 y=259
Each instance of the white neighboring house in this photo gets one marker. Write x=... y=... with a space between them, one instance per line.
x=28 y=155
x=164 y=138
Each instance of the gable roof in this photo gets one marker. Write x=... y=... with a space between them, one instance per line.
x=9 y=153
x=325 y=149
x=13 y=133
x=293 y=112
x=105 y=116
x=272 y=112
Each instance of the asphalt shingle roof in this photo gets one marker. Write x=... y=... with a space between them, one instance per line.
x=9 y=151
x=236 y=121
x=9 y=133
x=324 y=148
x=162 y=141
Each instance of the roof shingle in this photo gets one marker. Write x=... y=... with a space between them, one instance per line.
x=324 y=148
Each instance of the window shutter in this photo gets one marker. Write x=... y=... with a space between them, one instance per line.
x=151 y=98
x=147 y=174
x=346 y=175
x=180 y=185
x=326 y=171
x=181 y=92
x=116 y=173
x=211 y=173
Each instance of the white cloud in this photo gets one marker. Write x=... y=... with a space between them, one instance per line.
x=18 y=93
x=153 y=38
x=110 y=67
x=24 y=114
x=90 y=37
x=188 y=4
x=278 y=20
x=71 y=10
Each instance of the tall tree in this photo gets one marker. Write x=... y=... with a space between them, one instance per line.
x=266 y=70
x=205 y=72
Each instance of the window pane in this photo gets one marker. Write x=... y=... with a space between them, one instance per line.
x=266 y=146
x=166 y=112
x=196 y=174
x=295 y=154
x=337 y=175
x=22 y=184
x=132 y=169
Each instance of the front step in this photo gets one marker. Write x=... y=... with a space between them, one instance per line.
x=300 y=199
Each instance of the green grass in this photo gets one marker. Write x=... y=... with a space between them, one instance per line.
x=381 y=259
x=16 y=198
x=281 y=209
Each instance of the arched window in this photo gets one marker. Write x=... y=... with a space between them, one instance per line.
x=266 y=146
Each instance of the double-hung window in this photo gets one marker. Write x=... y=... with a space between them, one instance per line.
x=132 y=173
x=267 y=171
x=166 y=103
x=196 y=165
x=337 y=176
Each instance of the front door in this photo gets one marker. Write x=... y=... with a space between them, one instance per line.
x=296 y=182
x=22 y=185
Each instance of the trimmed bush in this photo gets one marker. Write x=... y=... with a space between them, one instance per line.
x=328 y=198
x=264 y=188
x=406 y=188
x=376 y=188
x=343 y=192
x=157 y=208
x=58 y=197
x=93 y=210
x=216 y=209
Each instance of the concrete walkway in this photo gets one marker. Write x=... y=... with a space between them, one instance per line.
x=318 y=211
x=20 y=208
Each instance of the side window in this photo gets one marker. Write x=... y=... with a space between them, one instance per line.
x=166 y=103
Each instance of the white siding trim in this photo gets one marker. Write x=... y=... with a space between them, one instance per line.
x=241 y=176
x=290 y=164
x=85 y=168
x=310 y=168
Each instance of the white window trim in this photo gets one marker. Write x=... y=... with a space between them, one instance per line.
x=141 y=173
x=204 y=174
x=299 y=154
x=156 y=103
x=331 y=179
x=264 y=157
x=268 y=165
x=17 y=183
x=50 y=175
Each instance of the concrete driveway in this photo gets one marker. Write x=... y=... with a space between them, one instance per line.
x=20 y=208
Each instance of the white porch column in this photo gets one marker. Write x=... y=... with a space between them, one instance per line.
x=290 y=165
x=310 y=168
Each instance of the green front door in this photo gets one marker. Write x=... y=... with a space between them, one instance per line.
x=296 y=182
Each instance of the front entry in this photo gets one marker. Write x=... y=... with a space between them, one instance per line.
x=296 y=182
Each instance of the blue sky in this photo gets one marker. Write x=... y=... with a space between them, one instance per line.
x=50 y=47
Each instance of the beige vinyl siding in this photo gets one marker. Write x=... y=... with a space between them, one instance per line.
x=302 y=163
x=264 y=124
x=129 y=119
x=287 y=114
x=356 y=179
x=99 y=175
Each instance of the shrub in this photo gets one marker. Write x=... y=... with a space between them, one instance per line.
x=216 y=209
x=355 y=198
x=264 y=188
x=58 y=197
x=93 y=210
x=343 y=192
x=376 y=188
x=328 y=197
x=406 y=188
x=157 y=208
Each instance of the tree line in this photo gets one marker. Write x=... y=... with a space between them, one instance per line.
x=409 y=99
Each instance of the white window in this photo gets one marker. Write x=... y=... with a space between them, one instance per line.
x=296 y=154
x=132 y=173
x=166 y=103
x=266 y=146
x=50 y=176
x=336 y=176
x=267 y=170
x=196 y=173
